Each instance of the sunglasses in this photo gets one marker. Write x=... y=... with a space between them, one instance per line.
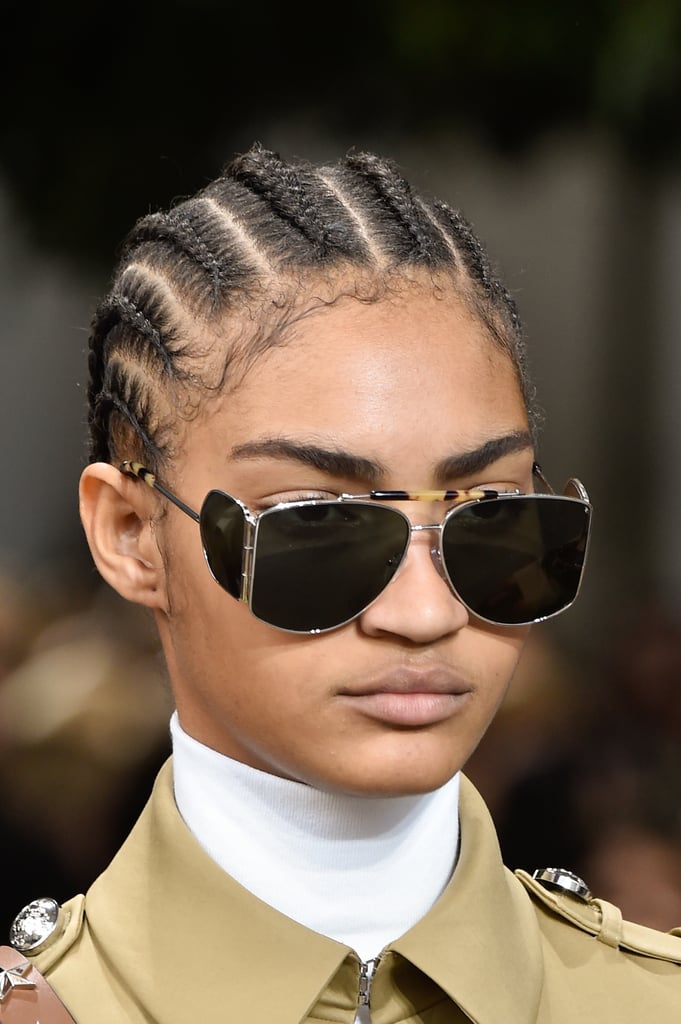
x=309 y=566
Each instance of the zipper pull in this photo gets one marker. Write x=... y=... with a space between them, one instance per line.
x=366 y=971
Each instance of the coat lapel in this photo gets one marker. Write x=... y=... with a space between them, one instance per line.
x=481 y=942
x=186 y=939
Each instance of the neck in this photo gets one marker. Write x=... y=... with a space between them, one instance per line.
x=360 y=870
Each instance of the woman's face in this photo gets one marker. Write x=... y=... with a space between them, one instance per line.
x=395 y=701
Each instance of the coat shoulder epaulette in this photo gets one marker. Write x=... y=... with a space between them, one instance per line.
x=45 y=930
x=40 y=935
x=598 y=918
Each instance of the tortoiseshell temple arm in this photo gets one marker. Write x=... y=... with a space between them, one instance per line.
x=474 y=494
x=139 y=471
x=136 y=469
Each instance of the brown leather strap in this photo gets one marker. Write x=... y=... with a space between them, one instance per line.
x=25 y=996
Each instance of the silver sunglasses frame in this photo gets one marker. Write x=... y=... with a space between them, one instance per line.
x=574 y=490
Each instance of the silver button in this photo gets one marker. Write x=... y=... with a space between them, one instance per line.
x=34 y=925
x=564 y=881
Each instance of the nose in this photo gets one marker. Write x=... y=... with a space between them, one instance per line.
x=418 y=604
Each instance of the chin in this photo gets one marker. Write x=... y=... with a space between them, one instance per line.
x=380 y=781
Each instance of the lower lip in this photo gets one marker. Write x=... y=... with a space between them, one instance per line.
x=409 y=709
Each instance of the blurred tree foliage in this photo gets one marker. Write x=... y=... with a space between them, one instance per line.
x=108 y=105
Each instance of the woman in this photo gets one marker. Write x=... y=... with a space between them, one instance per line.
x=323 y=385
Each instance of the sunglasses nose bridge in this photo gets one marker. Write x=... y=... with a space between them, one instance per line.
x=435 y=545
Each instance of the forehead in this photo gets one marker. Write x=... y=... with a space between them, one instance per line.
x=412 y=372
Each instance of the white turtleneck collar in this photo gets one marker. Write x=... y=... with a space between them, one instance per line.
x=359 y=870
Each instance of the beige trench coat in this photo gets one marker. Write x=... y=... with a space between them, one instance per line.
x=164 y=936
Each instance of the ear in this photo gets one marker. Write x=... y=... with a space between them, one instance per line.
x=117 y=515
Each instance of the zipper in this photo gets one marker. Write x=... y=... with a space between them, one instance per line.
x=366 y=973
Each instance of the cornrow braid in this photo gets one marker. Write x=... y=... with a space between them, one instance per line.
x=180 y=234
x=221 y=271
x=476 y=260
x=494 y=304
x=121 y=395
x=298 y=198
x=121 y=309
x=206 y=268
x=422 y=242
x=131 y=328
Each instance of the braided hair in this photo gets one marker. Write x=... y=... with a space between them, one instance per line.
x=238 y=254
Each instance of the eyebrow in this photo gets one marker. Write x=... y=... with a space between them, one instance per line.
x=480 y=458
x=335 y=462
x=342 y=464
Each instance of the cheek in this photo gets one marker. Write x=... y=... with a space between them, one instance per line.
x=497 y=659
x=214 y=645
x=195 y=620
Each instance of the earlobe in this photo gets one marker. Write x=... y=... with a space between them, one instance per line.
x=116 y=512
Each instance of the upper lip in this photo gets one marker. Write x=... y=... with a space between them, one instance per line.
x=409 y=679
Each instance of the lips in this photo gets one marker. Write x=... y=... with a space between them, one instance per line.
x=410 y=698
x=409 y=680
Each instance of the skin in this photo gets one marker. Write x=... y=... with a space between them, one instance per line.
x=395 y=701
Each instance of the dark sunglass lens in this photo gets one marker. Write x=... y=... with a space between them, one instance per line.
x=222 y=535
x=516 y=560
x=319 y=565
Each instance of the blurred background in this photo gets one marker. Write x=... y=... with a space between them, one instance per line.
x=556 y=129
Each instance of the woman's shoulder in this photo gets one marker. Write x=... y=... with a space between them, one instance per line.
x=606 y=967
